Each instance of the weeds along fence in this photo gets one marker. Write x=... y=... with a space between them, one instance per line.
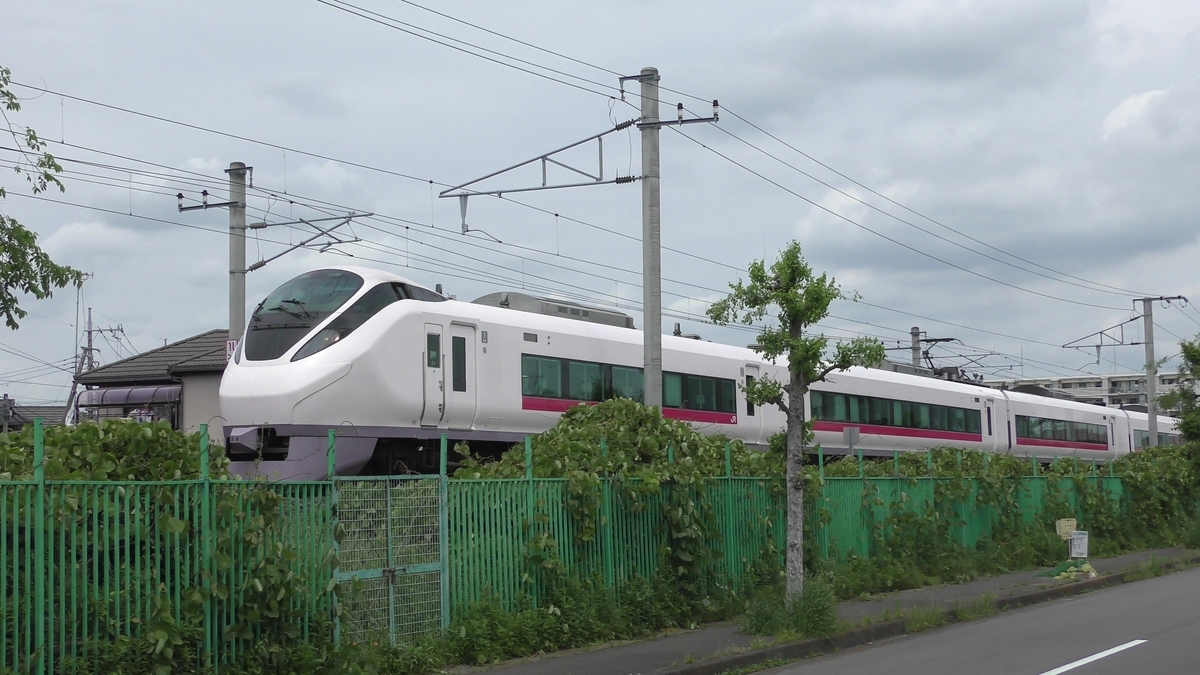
x=213 y=566
x=501 y=531
x=194 y=565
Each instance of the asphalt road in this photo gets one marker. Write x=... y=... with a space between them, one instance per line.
x=1049 y=639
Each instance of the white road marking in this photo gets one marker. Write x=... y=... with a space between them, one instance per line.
x=1094 y=657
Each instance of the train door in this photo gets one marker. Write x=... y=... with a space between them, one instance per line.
x=434 y=377
x=460 y=395
x=989 y=423
x=752 y=420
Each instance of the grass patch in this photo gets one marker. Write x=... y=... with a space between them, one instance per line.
x=918 y=619
x=813 y=614
x=1146 y=570
x=980 y=608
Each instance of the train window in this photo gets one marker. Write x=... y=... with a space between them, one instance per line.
x=749 y=405
x=291 y=311
x=627 y=383
x=884 y=412
x=1061 y=430
x=672 y=390
x=701 y=393
x=367 y=306
x=458 y=362
x=726 y=396
x=433 y=350
x=585 y=381
x=541 y=376
x=422 y=294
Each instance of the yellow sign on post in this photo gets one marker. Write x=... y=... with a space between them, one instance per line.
x=1064 y=527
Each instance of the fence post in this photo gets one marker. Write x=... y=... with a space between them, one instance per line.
x=1033 y=461
x=39 y=544
x=820 y=462
x=727 y=540
x=670 y=454
x=206 y=554
x=860 y=463
x=331 y=471
x=929 y=462
x=443 y=527
x=896 y=463
x=530 y=508
x=606 y=538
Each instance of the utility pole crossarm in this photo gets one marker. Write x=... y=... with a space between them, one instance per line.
x=320 y=233
x=545 y=159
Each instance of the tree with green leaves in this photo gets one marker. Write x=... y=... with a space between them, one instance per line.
x=798 y=299
x=1184 y=396
x=24 y=267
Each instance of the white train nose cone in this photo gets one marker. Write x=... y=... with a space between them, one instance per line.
x=270 y=395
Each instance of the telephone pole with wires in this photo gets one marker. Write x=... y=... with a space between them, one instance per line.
x=86 y=361
x=1118 y=339
x=238 y=172
x=649 y=124
x=1151 y=366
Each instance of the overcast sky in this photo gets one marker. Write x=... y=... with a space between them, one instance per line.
x=1065 y=133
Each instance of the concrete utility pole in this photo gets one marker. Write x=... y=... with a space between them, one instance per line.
x=237 y=250
x=915 y=332
x=651 y=242
x=1151 y=373
x=90 y=363
x=1152 y=367
x=237 y=243
x=649 y=124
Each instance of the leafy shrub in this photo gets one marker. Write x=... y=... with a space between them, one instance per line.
x=116 y=449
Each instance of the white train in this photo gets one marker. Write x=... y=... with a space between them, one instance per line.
x=393 y=366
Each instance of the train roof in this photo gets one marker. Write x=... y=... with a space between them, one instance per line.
x=373 y=276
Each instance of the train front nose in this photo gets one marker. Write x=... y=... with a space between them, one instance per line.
x=266 y=395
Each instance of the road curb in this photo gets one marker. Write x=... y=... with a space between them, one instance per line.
x=863 y=635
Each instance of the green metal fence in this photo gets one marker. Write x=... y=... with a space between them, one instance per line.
x=84 y=562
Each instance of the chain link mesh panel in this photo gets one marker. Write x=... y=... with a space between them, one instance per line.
x=390 y=551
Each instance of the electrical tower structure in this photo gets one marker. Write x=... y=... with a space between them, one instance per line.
x=236 y=204
x=648 y=124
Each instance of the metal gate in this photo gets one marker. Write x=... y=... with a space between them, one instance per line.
x=392 y=553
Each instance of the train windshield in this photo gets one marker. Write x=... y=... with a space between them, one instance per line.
x=294 y=309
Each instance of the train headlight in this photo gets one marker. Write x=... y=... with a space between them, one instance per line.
x=321 y=340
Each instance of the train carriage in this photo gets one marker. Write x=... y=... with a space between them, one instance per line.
x=393 y=366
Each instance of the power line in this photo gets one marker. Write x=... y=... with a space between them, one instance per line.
x=29 y=357
x=884 y=236
x=512 y=39
x=914 y=225
x=919 y=214
x=1091 y=285
x=404 y=27
x=398 y=174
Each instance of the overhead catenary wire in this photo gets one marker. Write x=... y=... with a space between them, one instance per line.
x=1090 y=284
x=897 y=242
x=886 y=308
x=468 y=273
x=632 y=238
x=918 y=227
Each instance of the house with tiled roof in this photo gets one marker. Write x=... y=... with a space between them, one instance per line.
x=14 y=416
x=178 y=383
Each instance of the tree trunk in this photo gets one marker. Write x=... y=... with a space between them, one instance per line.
x=795 y=486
